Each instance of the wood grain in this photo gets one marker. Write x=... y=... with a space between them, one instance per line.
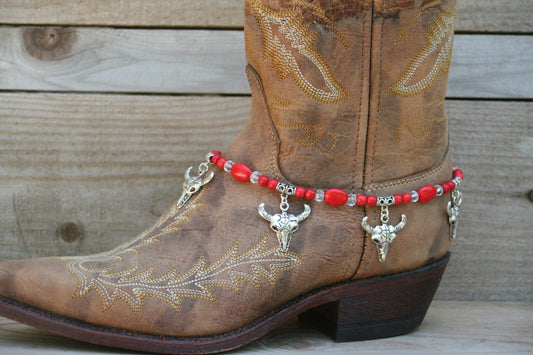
x=110 y=164
x=136 y=13
x=449 y=327
x=493 y=258
x=197 y=61
x=111 y=60
x=472 y=15
x=113 y=163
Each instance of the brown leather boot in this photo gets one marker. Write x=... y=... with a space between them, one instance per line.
x=347 y=223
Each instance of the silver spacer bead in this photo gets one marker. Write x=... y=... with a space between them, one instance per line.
x=208 y=157
x=286 y=189
x=414 y=196
x=386 y=201
x=440 y=191
x=457 y=181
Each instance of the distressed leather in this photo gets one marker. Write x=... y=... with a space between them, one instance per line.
x=330 y=109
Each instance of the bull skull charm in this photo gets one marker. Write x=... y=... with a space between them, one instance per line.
x=284 y=224
x=453 y=212
x=384 y=234
x=193 y=184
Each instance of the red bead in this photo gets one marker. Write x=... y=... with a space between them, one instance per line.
x=272 y=184
x=361 y=200
x=221 y=161
x=427 y=193
x=310 y=194
x=241 y=172
x=398 y=199
x=336 y=197
x=450 y=186
x=458 y=173
x=216 y=153
x=263 y=180
x=300 y=192
x=407 y=197
x=214 y=159
x=371 y=200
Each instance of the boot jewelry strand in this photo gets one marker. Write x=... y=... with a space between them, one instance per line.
x=285 y=224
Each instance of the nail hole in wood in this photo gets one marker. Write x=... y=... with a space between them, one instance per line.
x=69 y=232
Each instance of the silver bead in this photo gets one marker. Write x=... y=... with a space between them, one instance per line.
x=319 y=197
x=228 y=165
x=352 y=200
x=386 y=201
x=440 y=191
x=414 y=196
x=254 y=178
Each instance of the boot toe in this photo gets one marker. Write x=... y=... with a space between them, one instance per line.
x=6 y=280
x=38 y=282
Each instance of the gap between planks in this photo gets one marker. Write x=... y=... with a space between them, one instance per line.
x=213 y=62
x=472 y=15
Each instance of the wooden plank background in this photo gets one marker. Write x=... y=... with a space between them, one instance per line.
x=95 y=135
x=207 y=61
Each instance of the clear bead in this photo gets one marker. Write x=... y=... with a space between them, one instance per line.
x=352 y=200
x=228 y=165
x=414 y=196
x=254 y=178
x=319 y=197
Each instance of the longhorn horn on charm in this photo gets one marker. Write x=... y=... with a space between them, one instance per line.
x=305 y=213
x=263 y=213
x=207 y=178
x=402 y=224
x=188 y=174
x=367 y=227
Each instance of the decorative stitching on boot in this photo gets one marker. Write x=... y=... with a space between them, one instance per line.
x=307 y=141
x=404 y=31
x=440 y=34
x=419 y=132
x=134 y=284
x=292 y=29
x=408 y=180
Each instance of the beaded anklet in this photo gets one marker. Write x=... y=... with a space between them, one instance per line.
x=285 y=224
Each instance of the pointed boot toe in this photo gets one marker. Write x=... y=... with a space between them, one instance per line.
x=6 y=279
x=42 y=283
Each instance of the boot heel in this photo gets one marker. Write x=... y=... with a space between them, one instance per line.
x=379 y=307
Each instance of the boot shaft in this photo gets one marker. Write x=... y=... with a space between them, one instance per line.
x=352 y=92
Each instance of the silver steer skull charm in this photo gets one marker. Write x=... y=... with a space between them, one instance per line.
x=193 y=184
x=383 y=235
x=453 y=212
x=284 y=224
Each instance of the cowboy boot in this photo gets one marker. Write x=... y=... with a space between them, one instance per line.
x=334 y=203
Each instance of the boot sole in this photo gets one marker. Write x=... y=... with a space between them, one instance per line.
x=365 y=309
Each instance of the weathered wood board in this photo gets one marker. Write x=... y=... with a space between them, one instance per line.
x=472 y=15
x=200 y=61
x=449 y=328
x=113 y=163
